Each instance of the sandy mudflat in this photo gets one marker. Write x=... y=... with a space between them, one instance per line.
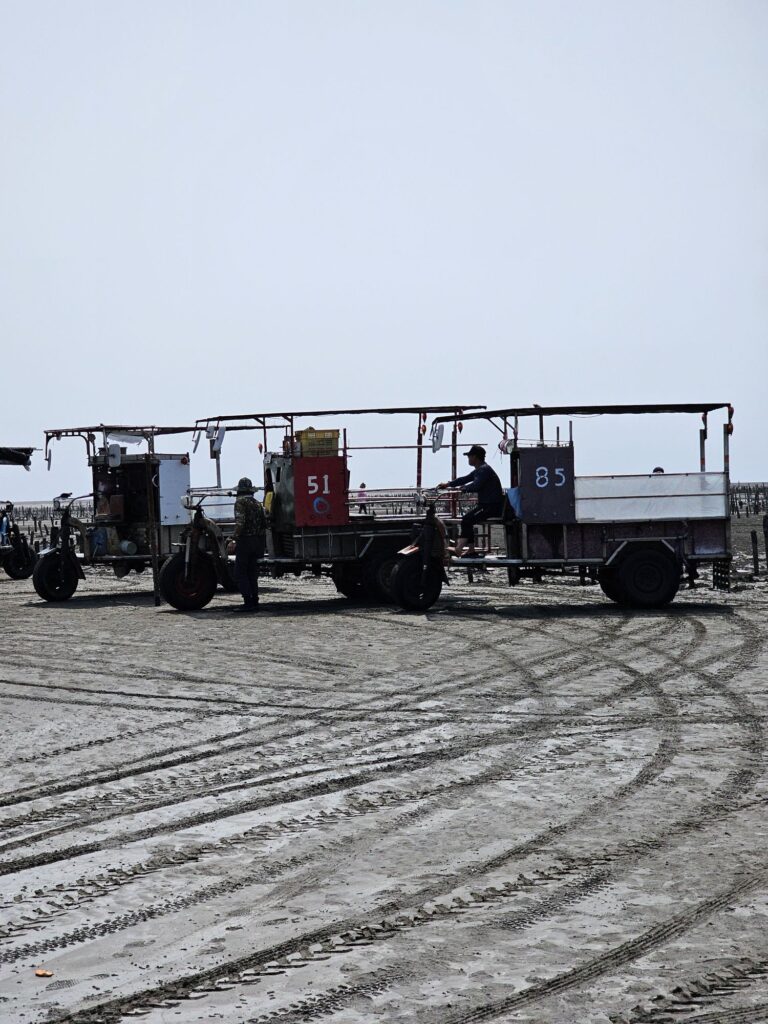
x=525 y=805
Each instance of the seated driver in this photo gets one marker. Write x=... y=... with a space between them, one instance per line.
x=483 y=482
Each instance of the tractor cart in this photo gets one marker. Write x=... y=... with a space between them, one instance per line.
x=139 y=510
x=637 y=535
x=17 y=556
x=316 y=521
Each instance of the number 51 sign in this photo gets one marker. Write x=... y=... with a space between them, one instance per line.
x=547 y=493
x=320 y=491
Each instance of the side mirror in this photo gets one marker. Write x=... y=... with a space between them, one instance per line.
x=57 y=504
x=437 y=437
x=114 y=457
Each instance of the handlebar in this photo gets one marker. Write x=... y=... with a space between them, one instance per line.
x=70 y=501
x=195 y=499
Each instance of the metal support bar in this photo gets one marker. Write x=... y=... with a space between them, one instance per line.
x=419 y=452
x=454 y=463
x=529 y=563
x=151 y=511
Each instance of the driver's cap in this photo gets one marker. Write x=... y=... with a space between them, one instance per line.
x=476 y=449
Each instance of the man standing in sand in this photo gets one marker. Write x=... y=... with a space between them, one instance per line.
x=249 y=542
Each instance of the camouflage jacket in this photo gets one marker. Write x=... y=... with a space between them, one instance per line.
x=250 y=520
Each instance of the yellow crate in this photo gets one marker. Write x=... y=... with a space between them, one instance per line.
x=318 y=442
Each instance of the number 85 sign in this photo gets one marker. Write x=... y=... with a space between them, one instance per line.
x=542 y=477
x=546 y=485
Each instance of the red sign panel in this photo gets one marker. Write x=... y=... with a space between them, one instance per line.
x=320 y=491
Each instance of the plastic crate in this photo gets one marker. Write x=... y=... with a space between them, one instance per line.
x=318 y=442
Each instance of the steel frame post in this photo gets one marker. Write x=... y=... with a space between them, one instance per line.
x=153 y=526
x=454 y=466
x=419 y=453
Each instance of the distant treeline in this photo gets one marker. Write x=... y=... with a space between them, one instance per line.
x=36 y=520
x=41 y=513
x=749 y=499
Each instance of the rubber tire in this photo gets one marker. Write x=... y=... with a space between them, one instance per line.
x=648 y=578
x=17 y=570
x=377 y=572
x=47 y=581
x=406 y=584
x=609 y=584
x=187 y=595
x=227 y=581
x=349 y=582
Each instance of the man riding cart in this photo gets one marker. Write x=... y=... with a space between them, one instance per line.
x=485 y=484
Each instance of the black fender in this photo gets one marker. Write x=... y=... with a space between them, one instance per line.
x=205 y=537
x=69 y=556
x=666 y=546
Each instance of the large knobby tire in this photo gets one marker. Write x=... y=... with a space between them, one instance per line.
x=188 y=592
x=349 y=581
x=648 y=578
x=406 y=582
x=377 y=576
x=19 y=562
x=608 y=579
x=54 y=578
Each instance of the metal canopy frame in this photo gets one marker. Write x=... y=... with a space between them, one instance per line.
x=540 y=412
x=89 y=434
x=261 y=417
x=266 y=421
x=595 y=410
x=118 y=428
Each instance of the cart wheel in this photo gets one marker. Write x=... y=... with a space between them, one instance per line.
x=187 y=591
x=20 y=563
x=227 y=580
x=349 y=582
x=648 y=578
x=54 y=578
x=610 y=585
x=407 y=586
x=377 y=576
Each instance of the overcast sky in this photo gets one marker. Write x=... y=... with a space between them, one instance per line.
x=223 y=206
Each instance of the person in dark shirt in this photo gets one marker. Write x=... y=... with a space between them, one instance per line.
x=483 y=482
x=249 y=543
